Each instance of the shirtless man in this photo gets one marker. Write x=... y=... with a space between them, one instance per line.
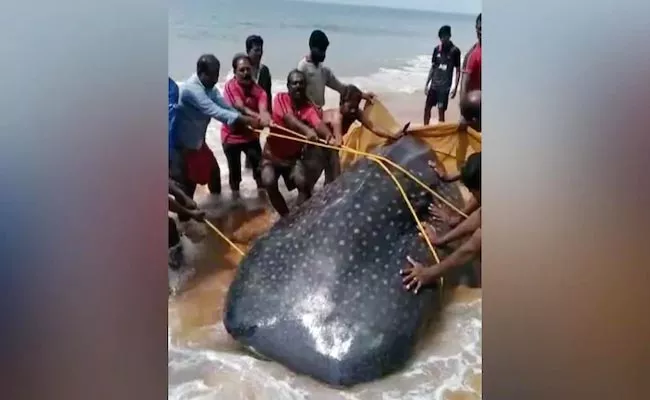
x=416 y=275
x=339 y=121
x=283 y=157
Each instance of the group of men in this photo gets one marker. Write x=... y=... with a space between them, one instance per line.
x=446 y=59
x=246 y=107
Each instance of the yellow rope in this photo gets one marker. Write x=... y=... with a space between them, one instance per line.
x=224 y=237
x=410 y=206
x=371 y=156
x=379 y=160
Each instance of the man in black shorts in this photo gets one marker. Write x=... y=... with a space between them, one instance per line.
x=445 y=59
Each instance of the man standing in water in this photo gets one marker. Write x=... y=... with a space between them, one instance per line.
x=247 y=97
x=199 y=103
x=260 y=72
x=416 y=275
x=444 y=61
x=471 y=79
x=282 y=157
x=318 y=78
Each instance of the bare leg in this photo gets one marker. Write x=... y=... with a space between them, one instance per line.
x=332 y=166
x=189 y=188
x=427 y=115
x=270 y=182
x=302 y=181
x=441 y=114
x=428 y=105
x=313 y=164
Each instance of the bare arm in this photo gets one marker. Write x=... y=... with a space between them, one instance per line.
x=462 y=255
x=471 y=206
x=471 y=224
x=372 y=128
x=263 y=106
x=429 y=78
x=239 y=106
x=450 y=178
x=333 y=82
x=337 y=127
x=463 y=84
x=237 y=103
x=323 y=131
x=417 y=275
x=457 y=67
x=178 y=193
x=176 y=207
x=295 y=124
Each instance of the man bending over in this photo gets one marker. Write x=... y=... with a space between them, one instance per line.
x=416 y=275
x=283 y=157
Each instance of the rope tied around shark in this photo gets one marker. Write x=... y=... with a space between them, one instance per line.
x=381 y=161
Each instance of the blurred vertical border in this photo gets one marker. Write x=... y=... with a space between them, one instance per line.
x=566 y=264
x=83 y=177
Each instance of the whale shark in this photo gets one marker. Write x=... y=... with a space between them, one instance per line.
x=321 y=293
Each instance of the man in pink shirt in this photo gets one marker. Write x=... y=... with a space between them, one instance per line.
x=247 y=97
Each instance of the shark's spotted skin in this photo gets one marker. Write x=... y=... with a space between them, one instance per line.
x=321 y=291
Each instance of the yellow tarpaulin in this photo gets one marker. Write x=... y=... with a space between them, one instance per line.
x=451 y=145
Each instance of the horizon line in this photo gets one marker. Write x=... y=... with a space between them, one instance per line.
x=338 y=3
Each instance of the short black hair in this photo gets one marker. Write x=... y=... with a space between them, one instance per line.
x=206 y=62
x=444 y=30
x=350 y=91
x=319 y=40
x=478 y=19
x=254 y=40
x=237 y=57
x=295 y=71
x=470 y=174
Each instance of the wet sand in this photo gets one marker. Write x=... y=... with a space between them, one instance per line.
x=205 y=363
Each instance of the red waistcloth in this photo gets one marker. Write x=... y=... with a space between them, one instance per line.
x=199 y=165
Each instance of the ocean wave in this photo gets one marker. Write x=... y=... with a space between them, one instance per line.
x=408 y=78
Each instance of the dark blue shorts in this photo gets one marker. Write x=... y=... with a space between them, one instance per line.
x=438 y=97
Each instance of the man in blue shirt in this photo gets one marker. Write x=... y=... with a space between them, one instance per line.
x=200 y=102
x=173 y=94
